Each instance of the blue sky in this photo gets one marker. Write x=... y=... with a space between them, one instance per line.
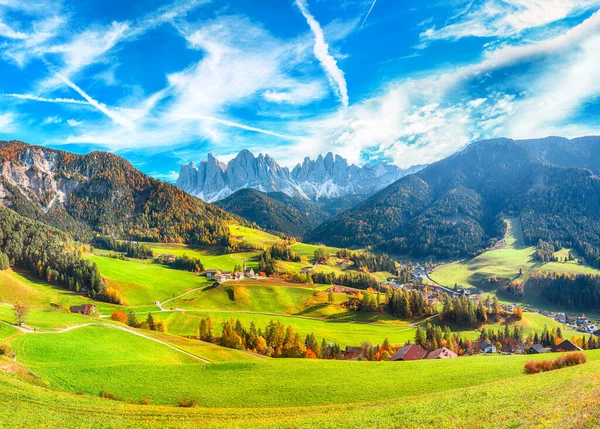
x=410 y=82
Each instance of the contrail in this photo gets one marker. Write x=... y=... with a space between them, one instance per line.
x=367 y=17
x=321 y=51
x=101 y=107
x=240 y=126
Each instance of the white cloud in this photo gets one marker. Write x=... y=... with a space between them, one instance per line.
x=73 y=122
x=507 y=18
x=321 y=51
x=52 y=120
x=7 y=122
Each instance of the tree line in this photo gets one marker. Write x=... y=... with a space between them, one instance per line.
x=132 y=249
x=581 y=291
x=276 y=340
x=48 y=253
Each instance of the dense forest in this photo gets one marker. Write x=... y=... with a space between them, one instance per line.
x=48 y=253
x=105 y=194
x=580 y=292
x=455 y=207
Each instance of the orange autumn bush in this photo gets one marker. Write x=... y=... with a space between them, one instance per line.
x=563 y=361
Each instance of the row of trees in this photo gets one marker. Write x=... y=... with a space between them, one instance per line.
x=408 y=304
x=187 y=263
x=580 y=291
x=433 y=337
x=131 y=249
x=131 y=318
x=47 y=253
x=276 y=340
x=544 y=252
x=368 y=261
x=356 y=280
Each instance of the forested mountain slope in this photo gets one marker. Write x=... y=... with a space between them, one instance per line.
x=103 y=193
x=454 y=208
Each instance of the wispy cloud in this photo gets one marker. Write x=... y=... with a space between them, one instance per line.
x=52 y=120
x=501 y=18
x=321 y=51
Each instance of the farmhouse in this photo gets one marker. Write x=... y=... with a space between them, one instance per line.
x=223 y=276
x=237 y=237
x=442 y=353
x=212 y=273
x=566 y=346
x=249 y=272
x=166 y=258
x=352 y=352
x=486 y=347
x=306 y=270
x=238 y=276
x=536 y=349
x=85 y=309
x=410 y=352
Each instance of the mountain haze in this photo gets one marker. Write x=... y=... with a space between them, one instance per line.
x=323 y=178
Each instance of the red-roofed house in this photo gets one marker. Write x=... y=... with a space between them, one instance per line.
x=410 y=352
x=442 y=353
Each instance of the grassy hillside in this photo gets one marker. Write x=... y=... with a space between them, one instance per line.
x=144 y=282
x=505 y=264
x=565 y=398
x=93 y=359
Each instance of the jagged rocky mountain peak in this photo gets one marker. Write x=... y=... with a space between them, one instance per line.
x=328 y=176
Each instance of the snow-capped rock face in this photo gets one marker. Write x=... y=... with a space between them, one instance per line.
x=322 y=178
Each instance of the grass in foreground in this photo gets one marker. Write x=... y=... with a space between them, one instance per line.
x=86 y=360
x=564 y=398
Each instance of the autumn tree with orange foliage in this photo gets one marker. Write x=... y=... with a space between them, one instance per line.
x=119 y=316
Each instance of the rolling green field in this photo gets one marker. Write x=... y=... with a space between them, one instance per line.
x=505 y=263
x=93 y=359
x=144 y=282
x=211 y=257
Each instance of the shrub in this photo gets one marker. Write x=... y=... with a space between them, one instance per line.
x=119 y=316
x=187 y=402
x=570 y=359
x=4 y=350
x=107 y=395
x=145 y=401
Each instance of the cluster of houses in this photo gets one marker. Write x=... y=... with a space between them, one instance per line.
x=409 y=352
x=223 y=276
x=579 y=323
x=416 y=352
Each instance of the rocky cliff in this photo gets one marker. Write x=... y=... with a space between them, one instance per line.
x=323 y=178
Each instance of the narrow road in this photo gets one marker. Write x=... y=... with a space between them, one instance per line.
x=447 y=289
x=106 y=325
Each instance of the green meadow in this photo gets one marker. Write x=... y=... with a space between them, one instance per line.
x=94 y=359
x=145 y=282
x=505 y=263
